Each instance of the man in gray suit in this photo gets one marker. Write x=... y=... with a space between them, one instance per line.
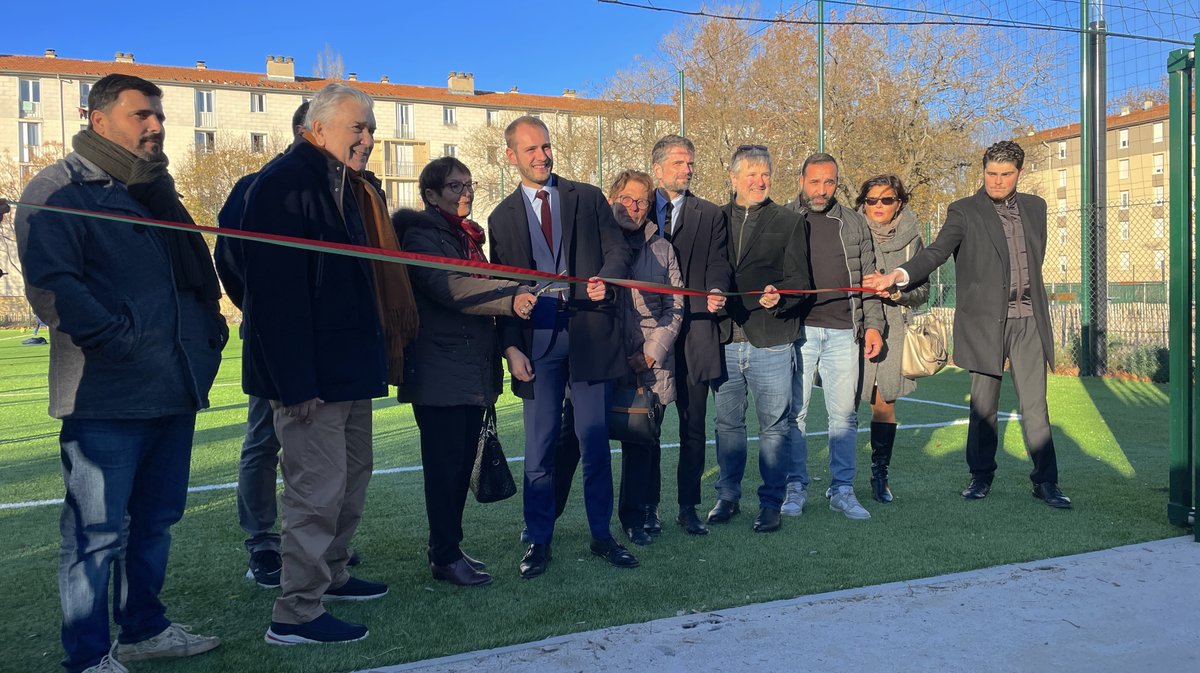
x=998 y=238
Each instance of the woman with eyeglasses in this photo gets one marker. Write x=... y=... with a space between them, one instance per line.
x=452 y=370
x=882 y=201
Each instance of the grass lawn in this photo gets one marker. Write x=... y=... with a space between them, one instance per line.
x=1112 y=450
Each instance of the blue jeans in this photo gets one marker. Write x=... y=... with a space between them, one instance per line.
x=126 y=485
x=835 y=355
x=766 y=373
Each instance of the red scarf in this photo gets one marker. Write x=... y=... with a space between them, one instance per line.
x=470 y=235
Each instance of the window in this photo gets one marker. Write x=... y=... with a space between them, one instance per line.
x=1123 y=139
x=1123 y=169
x=493 y=117
x=31 y=98
x=1062 y=235
x=1159 y=195
x=1158 y=132
x=1062 y=179
x=1062 y=263
x=1160 y=260
x=1124 y=231
x=206 y=116
x=404 y=121
x=1062 y=150
x=85 y=90
x=258 y=142
x=258 y=102
x=1159 y=161
x=1124 y=199
x=31 y=141
x=1159 y=229
x=449 y=116
x=205 y=141
x=1062 y=207
x=1124 y=257
x=449 y=150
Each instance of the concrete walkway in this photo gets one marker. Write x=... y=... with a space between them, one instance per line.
x=1123 y=610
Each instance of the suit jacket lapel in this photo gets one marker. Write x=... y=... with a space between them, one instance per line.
x=518 y=229
x=566 y=211
x=993 y=227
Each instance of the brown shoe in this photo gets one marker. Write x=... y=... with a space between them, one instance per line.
x=460 y=573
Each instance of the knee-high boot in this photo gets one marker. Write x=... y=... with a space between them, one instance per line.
x=883 y=436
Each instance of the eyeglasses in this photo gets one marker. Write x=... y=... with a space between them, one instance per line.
x=885 y=200
x=457 y=187
x=628 y=202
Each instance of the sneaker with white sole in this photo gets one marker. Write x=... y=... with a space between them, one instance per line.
x=355 y=590
x=844 y=501
x=793 y=504
x=108 y=664
x=322 y=630
x=176 y=640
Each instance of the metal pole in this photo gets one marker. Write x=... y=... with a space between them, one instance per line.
x=1087 y=198
x=820 y=75
x=681 y=100
x=1099 y=248
x=1182 y=389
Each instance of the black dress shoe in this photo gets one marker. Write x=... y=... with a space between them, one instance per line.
x=639 y=536
x=535 y=561
x=976 y=490
x=690 y=522
x=616 y=555
x=460 y=573
x=479 y=566
x=1050 y=494
x=767 y=520
x=653 y=524
x=723 y=511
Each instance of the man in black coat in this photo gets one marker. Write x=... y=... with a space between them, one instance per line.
x=697 y=230
x=998 y=239
x=572 y=340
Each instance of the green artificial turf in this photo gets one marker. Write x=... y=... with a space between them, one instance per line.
x=1112 y=451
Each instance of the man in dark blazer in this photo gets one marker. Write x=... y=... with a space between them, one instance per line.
x=768 y=251
x=697 y=229
x=998 y=239
x=572 y=341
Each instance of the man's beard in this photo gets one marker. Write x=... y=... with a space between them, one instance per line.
x=808 y=204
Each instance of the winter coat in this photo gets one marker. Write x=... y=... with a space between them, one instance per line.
x=651 y=320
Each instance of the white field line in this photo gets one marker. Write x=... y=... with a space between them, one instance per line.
x=1003 y=417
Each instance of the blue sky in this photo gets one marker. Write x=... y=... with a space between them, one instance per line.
x=541 y=46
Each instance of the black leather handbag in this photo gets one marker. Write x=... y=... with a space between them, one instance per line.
x=491 y=480
x=635 y=415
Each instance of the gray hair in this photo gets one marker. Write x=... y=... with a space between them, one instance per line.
x=758 y=154
x=818 y=158
x=1005 y=152
x=327 y=99
x=666 y=143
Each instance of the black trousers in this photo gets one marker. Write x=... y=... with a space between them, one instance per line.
x=449 y=440
x=691 y=403
x=1027 y=364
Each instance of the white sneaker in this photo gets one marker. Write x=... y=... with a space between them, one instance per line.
x=845 y=502
x=108 y=664
x=176 y=640
x=793 y=504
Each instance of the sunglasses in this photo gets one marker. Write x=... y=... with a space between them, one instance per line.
x=885 y=200
x=748 y=148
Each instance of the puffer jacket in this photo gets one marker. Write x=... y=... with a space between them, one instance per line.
x=652 y=320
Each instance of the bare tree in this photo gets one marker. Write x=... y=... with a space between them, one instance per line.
x=329 y=64
x=206 y=176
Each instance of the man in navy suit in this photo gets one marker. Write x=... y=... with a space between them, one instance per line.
x=572 y=341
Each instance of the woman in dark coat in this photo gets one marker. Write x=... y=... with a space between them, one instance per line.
x=452 y=369
x=882 y=201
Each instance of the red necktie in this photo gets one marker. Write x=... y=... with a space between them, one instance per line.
x=547 y=220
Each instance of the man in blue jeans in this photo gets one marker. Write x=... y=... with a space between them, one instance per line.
x=837 y=324
x=767 y=251
x=136 y=339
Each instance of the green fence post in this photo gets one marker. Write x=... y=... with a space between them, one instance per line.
x=1181 y=72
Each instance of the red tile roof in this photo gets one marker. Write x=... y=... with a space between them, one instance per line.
x=40 y=65
x=1115 y=121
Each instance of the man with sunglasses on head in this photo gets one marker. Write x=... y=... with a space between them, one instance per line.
x=840 y=328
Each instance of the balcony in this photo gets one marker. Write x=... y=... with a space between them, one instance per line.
x=31 y=109
x=402 y=169
x=206 y=120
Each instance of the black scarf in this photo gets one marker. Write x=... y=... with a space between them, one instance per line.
x=151 y=185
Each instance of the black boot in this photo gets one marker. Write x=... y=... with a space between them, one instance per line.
x=883 y=436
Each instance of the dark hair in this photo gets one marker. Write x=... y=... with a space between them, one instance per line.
x=1005 y=152
x=434 y=175
x=895 y=183
x=627 y=176
x=511 y=129
x=664 y=145
x=104 y=93
x=299 y=115
x=818 y=158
